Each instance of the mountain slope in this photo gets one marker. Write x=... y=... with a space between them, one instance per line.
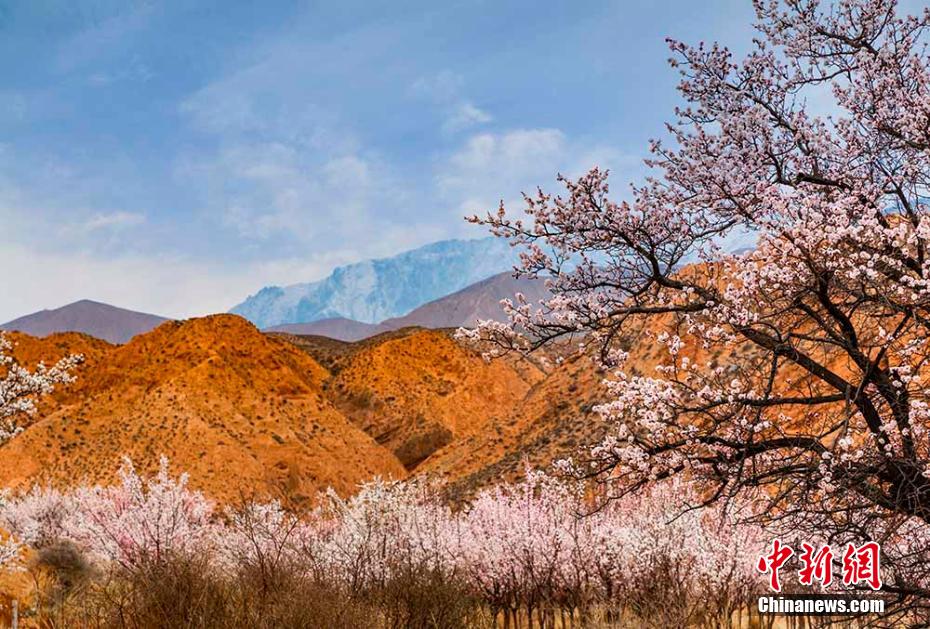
x=476 y=302
x=556 y=419
x=415 y=391
x=338 y=328
x=375 y=290
x=553 y=421
x=238 y=410
x=103 y=321
x=294 y=414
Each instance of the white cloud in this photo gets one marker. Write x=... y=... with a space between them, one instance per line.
x=490 y=167
x=441 y=87
x=61 y=218
x=279 y=166
x=253 y=102
x=522 y=152
x=465 y=115
x=276 y=189
x=113 y=220
x=445 y=90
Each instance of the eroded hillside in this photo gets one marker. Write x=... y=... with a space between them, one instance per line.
x=415 y=391
x=236 y=409
x=243 y=411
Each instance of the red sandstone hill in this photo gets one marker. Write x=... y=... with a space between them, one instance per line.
x=279 y=413
x=415 y=392
x=245 y=411
x=238 y=410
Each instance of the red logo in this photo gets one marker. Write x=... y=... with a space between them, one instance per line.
x=860 y=564
x=773 y=561
x=817 y=565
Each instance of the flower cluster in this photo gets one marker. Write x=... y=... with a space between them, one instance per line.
x=136 y=520
x=20 y=387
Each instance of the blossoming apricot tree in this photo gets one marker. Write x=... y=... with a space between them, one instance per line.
x=801 y=365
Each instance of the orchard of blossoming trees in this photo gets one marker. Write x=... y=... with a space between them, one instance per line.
x=818 y=144
x=521 y=549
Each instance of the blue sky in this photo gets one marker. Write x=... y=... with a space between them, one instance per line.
x=176 y=156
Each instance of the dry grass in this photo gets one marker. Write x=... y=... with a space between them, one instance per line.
x=185 y=593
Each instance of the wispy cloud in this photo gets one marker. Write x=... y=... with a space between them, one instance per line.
x=441 y=87
x=445 y=89
x=113 y=220
x=492 y=167
x=134 y=70
x=463 y=116
x=170 y=285
x=284 y=169
x=288 y=191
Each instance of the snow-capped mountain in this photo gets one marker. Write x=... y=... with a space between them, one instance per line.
x=375 y=290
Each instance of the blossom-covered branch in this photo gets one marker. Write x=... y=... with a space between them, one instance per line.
x=19 y=388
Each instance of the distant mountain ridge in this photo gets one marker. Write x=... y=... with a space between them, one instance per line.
x=102 y=321
x=375 y=290
x=478 y=301
x=464 y=307
x=338 y=328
